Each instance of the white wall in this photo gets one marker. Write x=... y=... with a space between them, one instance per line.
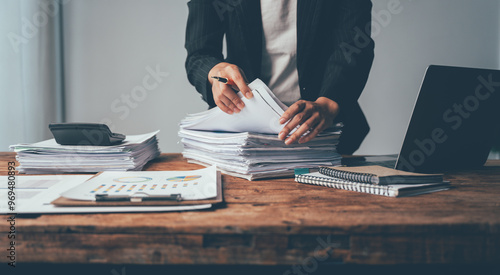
x=108 y=47
x=424 y=32
x=29 y=71
x=110 y=43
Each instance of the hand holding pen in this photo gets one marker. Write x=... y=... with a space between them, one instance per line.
x=225 y=79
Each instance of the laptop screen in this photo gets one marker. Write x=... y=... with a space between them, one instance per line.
x=455 y=120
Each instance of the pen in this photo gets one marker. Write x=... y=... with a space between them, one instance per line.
x=138 y=198
x=223 y=80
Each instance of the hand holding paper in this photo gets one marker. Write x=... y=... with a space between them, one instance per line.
x=223 y=93
x=311 y=118
x=261 y=115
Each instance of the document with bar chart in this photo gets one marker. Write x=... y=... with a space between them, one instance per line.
x=188 y=185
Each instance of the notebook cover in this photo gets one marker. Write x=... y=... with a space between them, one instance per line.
x=379 y=171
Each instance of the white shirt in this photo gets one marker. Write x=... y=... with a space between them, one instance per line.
x=279 y=49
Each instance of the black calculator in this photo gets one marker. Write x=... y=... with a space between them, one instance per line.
x=85 y=134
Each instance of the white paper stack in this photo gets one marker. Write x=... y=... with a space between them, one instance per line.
x=48 y=157
x=246 y=144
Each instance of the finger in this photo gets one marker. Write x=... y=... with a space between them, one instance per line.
x=240 y=82
x=306 y=126
x=298 y=119
x=229 y=104
x=309 y=136
x=292 y=111
x=223 y=107
x=233 y=97
x=287 y=129
x=248 y=93
x=243 y=74
x=219 y=99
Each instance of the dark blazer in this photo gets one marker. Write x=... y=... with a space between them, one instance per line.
x=334 y=52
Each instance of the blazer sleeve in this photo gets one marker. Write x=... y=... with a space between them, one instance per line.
x=351 y=58
x=204 y=36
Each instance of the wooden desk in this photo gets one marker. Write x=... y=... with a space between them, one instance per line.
x=280 y=222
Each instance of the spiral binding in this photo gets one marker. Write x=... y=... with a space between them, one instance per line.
x=350 y=176
x=346 y=185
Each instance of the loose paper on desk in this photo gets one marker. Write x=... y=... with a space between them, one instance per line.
x=34 y=195
x=260 y=115
x=191 y=185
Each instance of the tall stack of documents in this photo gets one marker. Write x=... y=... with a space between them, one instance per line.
x=48 y=157
x=246 y=144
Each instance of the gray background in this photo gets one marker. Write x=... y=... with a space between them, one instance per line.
x=110 y=44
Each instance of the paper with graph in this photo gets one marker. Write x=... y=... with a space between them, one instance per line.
x=191 y=185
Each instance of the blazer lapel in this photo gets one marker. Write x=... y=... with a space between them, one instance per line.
x=250 y=17
x=308 y=16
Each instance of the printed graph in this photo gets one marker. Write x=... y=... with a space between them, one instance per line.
x=132 y=179
x=184 y=178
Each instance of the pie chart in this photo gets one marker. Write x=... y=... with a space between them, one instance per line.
x=184 y=178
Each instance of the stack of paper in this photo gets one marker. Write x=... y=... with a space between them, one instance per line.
x=246 y=144
x=48 y=157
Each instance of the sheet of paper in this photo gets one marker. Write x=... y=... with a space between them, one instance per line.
x=130 y=140
x=254 y=140
x=191 y=185
x=34 y=194
x=261 y=115
x=250 y=152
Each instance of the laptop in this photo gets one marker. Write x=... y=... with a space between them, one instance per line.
x=454 y=124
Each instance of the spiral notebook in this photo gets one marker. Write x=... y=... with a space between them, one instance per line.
x=379 y=175
x=390 y=190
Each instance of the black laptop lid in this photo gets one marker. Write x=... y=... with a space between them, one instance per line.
x=455 y=120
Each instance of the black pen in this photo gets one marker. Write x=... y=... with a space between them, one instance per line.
x=138 y=198
x=224 y=80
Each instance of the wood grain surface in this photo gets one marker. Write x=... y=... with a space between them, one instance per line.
x=279 y=221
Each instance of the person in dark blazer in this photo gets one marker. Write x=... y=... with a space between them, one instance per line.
x=334 y=54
